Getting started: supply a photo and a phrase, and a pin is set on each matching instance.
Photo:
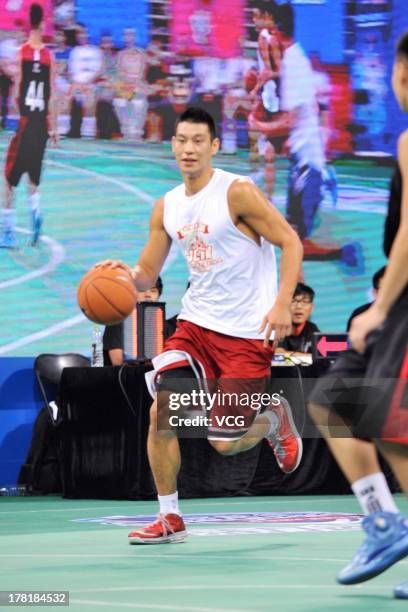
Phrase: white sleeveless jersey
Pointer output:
(233, 281)
(269, 95)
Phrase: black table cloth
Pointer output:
(105, 419)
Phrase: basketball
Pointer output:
(107, 295)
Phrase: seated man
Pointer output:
(113, 353)
(377, 277)
(299, 343)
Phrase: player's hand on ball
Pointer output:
(279, 321)
(113, 263)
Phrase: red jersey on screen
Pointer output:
(34, 94)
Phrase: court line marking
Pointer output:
(198, 503)
(58, 255)
(67, 323)
(169, 557)
(251, 586)
(143, 195)
(145, 606)
(140, 193)
(44, 333)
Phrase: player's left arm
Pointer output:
(396, 275)
(248, 203)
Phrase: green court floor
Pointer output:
(278, 561)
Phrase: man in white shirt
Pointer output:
(85, 66)
(131, 91)
(299, 117)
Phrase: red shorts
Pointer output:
(239, 368)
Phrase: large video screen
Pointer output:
(121, 80)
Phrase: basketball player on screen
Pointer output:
(266, 91)
(376, 406)
(226, 229)
(34, 86)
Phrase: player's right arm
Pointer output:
(154, 254)
(17, 81)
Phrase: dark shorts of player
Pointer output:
(370, 391)
(235, 369)
(304, 196)
(26, 152)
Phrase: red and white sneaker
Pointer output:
(167, 528)
(286, 442)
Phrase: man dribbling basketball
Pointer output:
(225, 228)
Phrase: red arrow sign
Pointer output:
(324, 347)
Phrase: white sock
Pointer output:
(273, 420)
(373, 494)
(8, 219)
(169, 504)
(34, 201)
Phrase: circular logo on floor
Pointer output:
(235, 523)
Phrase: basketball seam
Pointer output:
(109, 302)
(113, 280)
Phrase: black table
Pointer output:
(104, 435)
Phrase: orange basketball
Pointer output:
(107, 295)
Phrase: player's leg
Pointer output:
(164, 454)
(13, 171)
(39, 137)
(236, 422)
(277, 426)
(36, 217)
(335, 405)
(164, 459)
(8, 239)
(175, 373)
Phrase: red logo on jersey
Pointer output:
(198, 253)
(192, 228)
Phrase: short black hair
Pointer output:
(36, 15)
(402, 47)
(159, 285)
(286, 20)
(269, 7)
(378, 276)
(195, 114)
(302, 289)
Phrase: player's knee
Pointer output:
(159, 423)
(223, 447)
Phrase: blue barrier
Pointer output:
(20, 401)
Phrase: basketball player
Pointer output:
(34, 85)
(299, 117)
(376, 406)
(267, 85)
(225, 229)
